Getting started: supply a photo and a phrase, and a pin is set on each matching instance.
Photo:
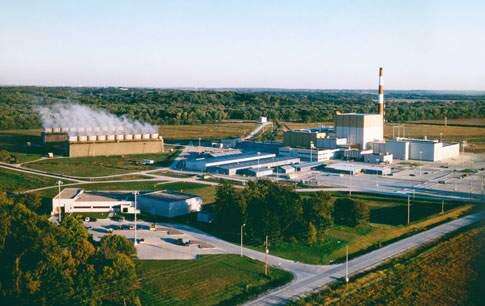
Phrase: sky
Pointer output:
(250, 44)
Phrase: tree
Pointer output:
(47, 264)
(350, 212)
(229, 208)
(311, 234)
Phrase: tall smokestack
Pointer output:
(381, 93)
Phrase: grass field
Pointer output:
(465, 121)
(206, 192)
(449, 273)
(101, 165)
(207, 131)
(210, 280)
(388, 223)
(17, 181)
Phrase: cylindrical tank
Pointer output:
(73, 138)
(128, 137)
(83, 138)
(137, 136)
(101, 137)
(110, 137)
(120, 137)
(146, 136)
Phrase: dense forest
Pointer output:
(169, 106)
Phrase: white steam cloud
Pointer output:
(79, 119)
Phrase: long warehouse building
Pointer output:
(201, 164)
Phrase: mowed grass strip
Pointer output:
(449, 273)
(19, 181)
(206, 192)
(209, 280)
(207, 131)
(101, 165)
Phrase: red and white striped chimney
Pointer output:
(381, 93)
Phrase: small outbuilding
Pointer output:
(169, 205)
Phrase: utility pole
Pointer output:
(409, 209)
(266, 252)
(242, 227)
(59, 183)
(136, 238)
(347, 264)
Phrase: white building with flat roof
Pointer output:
(359, 129)
(76, 200)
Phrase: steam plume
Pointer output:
(82, 120)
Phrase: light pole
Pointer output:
(136, 238)
(347, 264)
(59, 183)
(443, 207)
(409, 209)
(258, 159)
(420, 166)
(311, 151)
(242, 227)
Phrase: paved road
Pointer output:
(318, 278)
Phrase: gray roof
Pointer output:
(168, 197)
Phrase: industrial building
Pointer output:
(201, 164)
(242, 167)
(353, 169)
(360, 129)
(304, 138)
(317, 155)
(168, 205)
(417, 149)
(80, 142)
(76, 200)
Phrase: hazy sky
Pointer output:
(289, 44)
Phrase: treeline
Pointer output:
(167, 106)
(276, 210)
(46, 264)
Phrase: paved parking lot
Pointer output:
(163, 243)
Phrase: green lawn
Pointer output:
(210, 280)
(206, 192)
(102, 165)
(18, 181)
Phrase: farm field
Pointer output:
(465, 121)
(210, 280)
(448, 273)
(18, 181)
(206, 131)
(101, 165)
(388, 222)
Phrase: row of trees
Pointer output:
(163, 106)
(46, 264)
(276, 210)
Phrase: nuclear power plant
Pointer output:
(103, 141)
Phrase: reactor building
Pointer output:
(103, 141)
(361, 129)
